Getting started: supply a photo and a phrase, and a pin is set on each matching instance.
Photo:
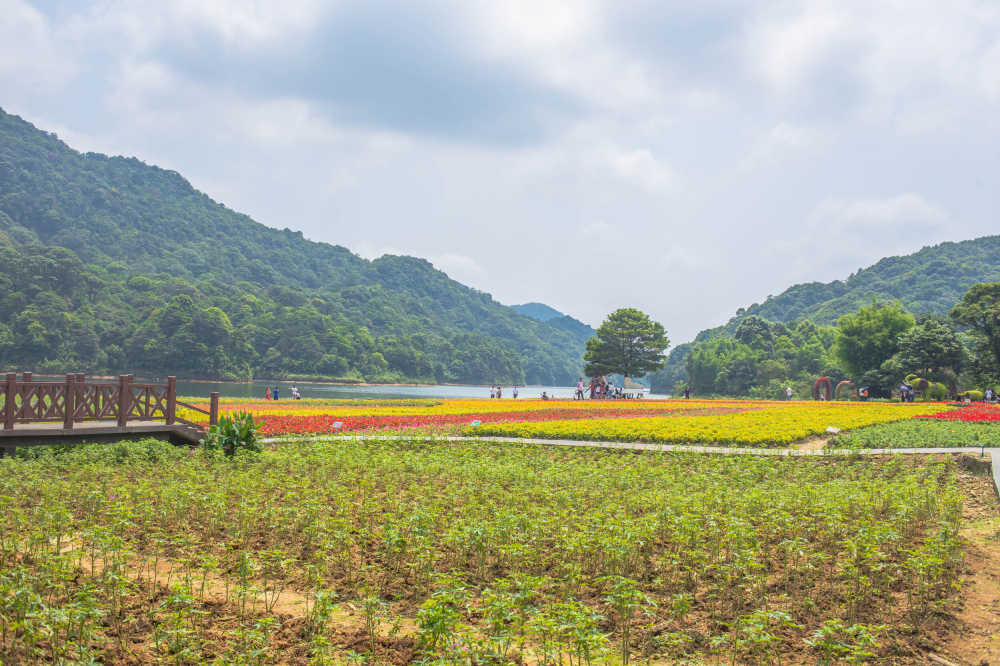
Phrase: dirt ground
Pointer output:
(975, 637)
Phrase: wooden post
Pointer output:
(129, 380)
(8, 405)
(24, 394)
(123, 403)
(171, 400)
(69, 402)
(213, 409)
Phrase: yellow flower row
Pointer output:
(774, 425)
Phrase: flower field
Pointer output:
(755, 423)
(969, 414)
(419, 551)
(778, 425)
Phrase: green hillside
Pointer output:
(541, 312)
(108, 264)
(537, 311)
(930, 281)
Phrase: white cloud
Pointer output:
(682, 144)
(784, 141)
(460, 267)
(786, 49)
(30, 58)
(891, 215)
(841, 235)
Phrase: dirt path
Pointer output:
(812, 444)
(975, 638)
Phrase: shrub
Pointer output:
(937, 391)
(233, 433)
(116, 453)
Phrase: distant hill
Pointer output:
(929, 281)
(537, 311)
(549, 315)
(107, 264)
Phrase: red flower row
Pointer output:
(973, 413)
(276, 424)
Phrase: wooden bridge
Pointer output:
(75, 411)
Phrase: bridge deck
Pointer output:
(36, 434)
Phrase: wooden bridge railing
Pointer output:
(75, 399)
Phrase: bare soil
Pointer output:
(974, 636)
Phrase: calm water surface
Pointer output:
(256, 390)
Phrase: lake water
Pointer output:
(255, 390)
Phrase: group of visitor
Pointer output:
(496, 391)
(271, 393)
(906, 393)
(599, 388)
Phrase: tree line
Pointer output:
(58, 315)
(877, 346)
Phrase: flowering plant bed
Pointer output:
(971, 413)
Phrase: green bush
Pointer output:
(233, 433)
(937, 391)
(116, 453)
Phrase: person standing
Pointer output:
(579, 389)
(788, 393)
(499, 391)
(687, 392)
(267, 393)
(274, 394)
(514, 391)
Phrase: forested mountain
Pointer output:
(537, 311)
(556, 319)
(109, 264)
(928, 282)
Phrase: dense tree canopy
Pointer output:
(628, 343)
(932, 350)
(870, 336)
(761, 360)
(109, 264)
(979, 309)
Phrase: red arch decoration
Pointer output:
(826, 386)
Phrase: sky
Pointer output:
(686, 159)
